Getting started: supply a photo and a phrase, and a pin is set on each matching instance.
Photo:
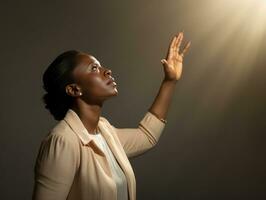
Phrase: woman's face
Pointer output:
(94, 81)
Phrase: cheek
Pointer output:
(96, 86)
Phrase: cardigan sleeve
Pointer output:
(137, 141)
(55, 168)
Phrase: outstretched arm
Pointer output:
(136, 141)
(173, 69)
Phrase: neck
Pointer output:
(89, 114)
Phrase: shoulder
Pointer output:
(61, 133)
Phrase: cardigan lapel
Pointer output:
(73, 120)
(77, 126)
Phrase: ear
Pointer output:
(73, 90)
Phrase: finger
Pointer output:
(163, 61)
(176, 41)
(186, 48)
(172, 45)
(179, 41)
(165, 64)
(171, 48)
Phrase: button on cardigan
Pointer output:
(71, 166)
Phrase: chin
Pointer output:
(113, 93)
(116, 92)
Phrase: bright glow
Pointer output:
(244, 34)
(230, 34)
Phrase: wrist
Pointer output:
(172, 81)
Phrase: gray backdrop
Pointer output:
(213, 146)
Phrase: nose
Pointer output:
(108, 72)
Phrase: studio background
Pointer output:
(213, 146)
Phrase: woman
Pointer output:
(84, 156)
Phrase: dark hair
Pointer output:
(55, 78)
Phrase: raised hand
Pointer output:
(174, 60)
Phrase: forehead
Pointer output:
(87, 59)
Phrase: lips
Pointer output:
(111, 81)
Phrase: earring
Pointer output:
(80, 93)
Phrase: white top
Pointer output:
(118, 174)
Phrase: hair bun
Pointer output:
(55, 78)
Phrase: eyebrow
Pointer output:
(95, 62)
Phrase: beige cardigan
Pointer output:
(71, 166)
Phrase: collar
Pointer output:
(77, 126)
(73, 120)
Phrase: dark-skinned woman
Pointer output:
(85, 157)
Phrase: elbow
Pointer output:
(151, 138)
(152, 127)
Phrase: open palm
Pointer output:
(173, 63)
